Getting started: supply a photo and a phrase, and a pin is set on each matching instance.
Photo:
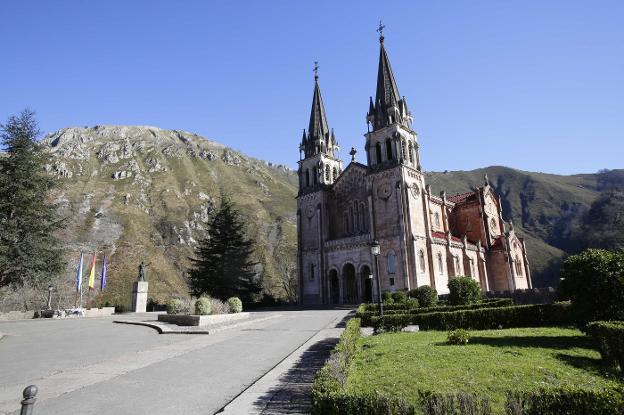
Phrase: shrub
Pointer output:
(236, 305)
(426, 295)
(412, 303)
(566, 400)
(458, 336)
(539, 315)
(463, 290)
(610, 338)
(203, 306)
(175, 306)
(386, 297)
(399, 296)
(594, 282)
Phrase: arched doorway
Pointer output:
(366, 284)
(334, 287)
(350, 284)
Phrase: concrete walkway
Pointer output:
(92, 366)
(286, 389)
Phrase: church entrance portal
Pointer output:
(334, 287)
(367, 284)
(350, 284)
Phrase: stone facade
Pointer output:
(425, 239)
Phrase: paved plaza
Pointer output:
(94, 366)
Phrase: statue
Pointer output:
(142, 271)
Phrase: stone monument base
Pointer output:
(139, 296)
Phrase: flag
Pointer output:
(92, 273)
(103, 279)
(79, 275)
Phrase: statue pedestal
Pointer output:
(139, 296)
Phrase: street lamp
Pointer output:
(375, 250)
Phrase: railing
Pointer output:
(357, 239)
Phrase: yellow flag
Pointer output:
(92, 273)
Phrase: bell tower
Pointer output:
(319, 163)
(390, 139)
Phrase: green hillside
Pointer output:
(142, 193)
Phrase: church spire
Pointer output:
(389, 107)
(320, 139)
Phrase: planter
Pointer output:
(195, 320)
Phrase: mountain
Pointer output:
(143, 193)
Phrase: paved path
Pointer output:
(92, 366)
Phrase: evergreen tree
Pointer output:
(30, 253)
(223, 266)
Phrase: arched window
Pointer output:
(411, 153)
(472, 268)
(403, 151)
(335, 173)
(421, 260)
(345, 222)
(440, 264)
(311, 272)
(363, 217)
(391, 263)
(457, 266)
(378, 152)
(389, 154)
(518, 266)
(315, 173)
(327, 174)
(436, 219)
(356, 216)
(307, 177)
(351, 227)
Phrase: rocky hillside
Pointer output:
(143, 193)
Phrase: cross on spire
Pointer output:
(380, 30)
(316, 68)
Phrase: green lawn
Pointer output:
(495, 361)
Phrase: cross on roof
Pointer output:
(316, 68)
(380, 30)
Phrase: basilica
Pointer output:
(423, 239)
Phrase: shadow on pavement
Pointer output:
(292, 395)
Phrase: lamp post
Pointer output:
(375, 250)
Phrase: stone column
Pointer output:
(139, 296)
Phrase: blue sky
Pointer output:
(535, 85)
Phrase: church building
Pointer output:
(424, 239)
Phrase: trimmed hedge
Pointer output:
(331, 378)
(565, 401)
(539, 315)
(610, 338)
(365, 315)
(463, 291)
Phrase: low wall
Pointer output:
(195, 320)
(99, 312)
(18, 315)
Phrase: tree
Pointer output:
(603, 227)
(223, 265)
(463, 290)
(30, 253)
(594, 282)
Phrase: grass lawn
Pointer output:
(495, 361)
